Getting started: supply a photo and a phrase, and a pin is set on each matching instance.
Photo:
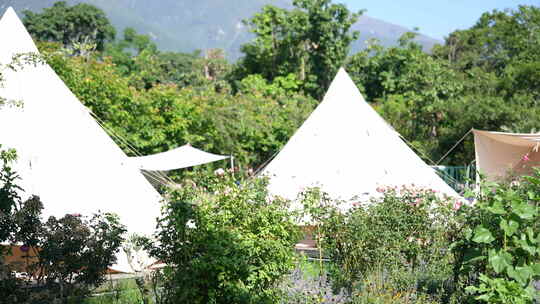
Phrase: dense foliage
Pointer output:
(71, 25)
(225, 242)
(404, 235)
(501, 241)
(310, 41)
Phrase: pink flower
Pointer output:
(457, 205)
(380, 189)
(525, 158)
(76, 214)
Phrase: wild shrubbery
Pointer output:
(225, 242)
(398, 241)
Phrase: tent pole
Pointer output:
(232, 164)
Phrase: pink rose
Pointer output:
(457, 205)
(525, 158)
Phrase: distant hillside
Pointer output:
(187, 25)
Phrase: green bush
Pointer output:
(403, 234)
(225, 242)
(500, 240)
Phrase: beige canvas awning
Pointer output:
(499, 154)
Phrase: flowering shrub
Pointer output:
(225, 242)
(404, 230)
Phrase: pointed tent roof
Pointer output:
(348, 150)
(65, 157)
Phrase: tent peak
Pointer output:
(11, 17)
(342, 70)
(9, 12)
(342, 74)
(13, 30)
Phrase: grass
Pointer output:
(123, 291)
(310, 268)
(128, 296)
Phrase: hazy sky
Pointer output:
(435, 18)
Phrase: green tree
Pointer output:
(311, 41)
(495, 41)
(138, 58)
(70, 25)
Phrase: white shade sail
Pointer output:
(183, 157)
(348, 150)
(499, 153)
(64, 156)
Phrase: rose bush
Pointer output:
(404, 231)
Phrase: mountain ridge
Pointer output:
(187, 26)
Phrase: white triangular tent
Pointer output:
(348, 150)
(182, 157)
(64, 156)
(499, 154)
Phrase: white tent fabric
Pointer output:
(182, 157)
(347, 150)
(499, 154)
(65, 157)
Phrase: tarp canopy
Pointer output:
(64, 156)
(347, 150)
(499, 154)
(183, 157)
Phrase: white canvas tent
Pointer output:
(64, 155)
(348, 150)
(182, 157)
(499, 154)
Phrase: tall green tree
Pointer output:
(311, 41)
(498, 38)
(70, 25)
